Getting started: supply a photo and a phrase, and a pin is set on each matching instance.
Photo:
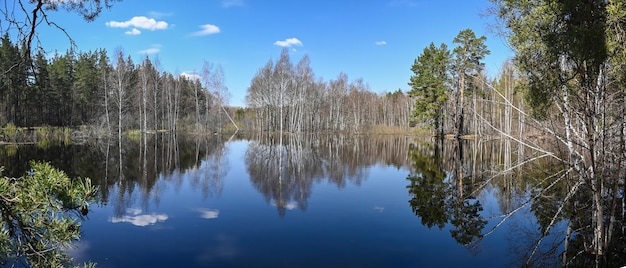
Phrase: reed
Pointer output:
(10, 132)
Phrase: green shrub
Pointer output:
(10, 131)
(43, 132)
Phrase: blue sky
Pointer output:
(376, 40)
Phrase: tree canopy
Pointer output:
(282, 97)
(22, 17)
(441, 76)
(430, 84)
(570, 57)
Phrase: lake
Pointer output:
(306, 201)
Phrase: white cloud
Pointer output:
(140, 22)
(152, 50)
(380, 43)
(209, 213)
(232, 3)
(191, 76)
(289, 42)
(134, 31)
(139, 220)
(207, 29)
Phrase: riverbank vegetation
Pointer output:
(562, 95)
(89, 88)
(114, 95)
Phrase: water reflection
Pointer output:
(143, 168)
(284, 173)
(133, 168)
(135, 217)
(547, 213)
(208, 214)
(473, 191)
(165, 161)
(439, 196)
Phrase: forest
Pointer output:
(113, 94)
(110, 93)
(561, 96)
(292, 99)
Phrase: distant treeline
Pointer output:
(285, 97)
(89, 88)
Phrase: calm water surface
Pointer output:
(315, 201)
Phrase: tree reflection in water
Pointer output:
(447, 176)
(437, 195)
(307, 159)
(147, 165)
(448, 185)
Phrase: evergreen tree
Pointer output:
(86, 87)
(468, 56)
(41, 91)
(429, 86)
(13, 77)
(62, 81)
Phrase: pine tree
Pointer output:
(429, 85)
(468, 56)
(40, 214)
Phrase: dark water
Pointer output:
(315, 201)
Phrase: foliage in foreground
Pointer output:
(40, 213)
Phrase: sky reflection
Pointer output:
(138, 219)
(206, 213)
(341, 203)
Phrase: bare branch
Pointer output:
(507, 215)
(556, 215)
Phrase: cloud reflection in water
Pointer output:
(288, 205)
(138, 219)
(207, 213)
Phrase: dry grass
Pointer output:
(381, 129)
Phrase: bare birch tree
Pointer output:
(122, 80)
